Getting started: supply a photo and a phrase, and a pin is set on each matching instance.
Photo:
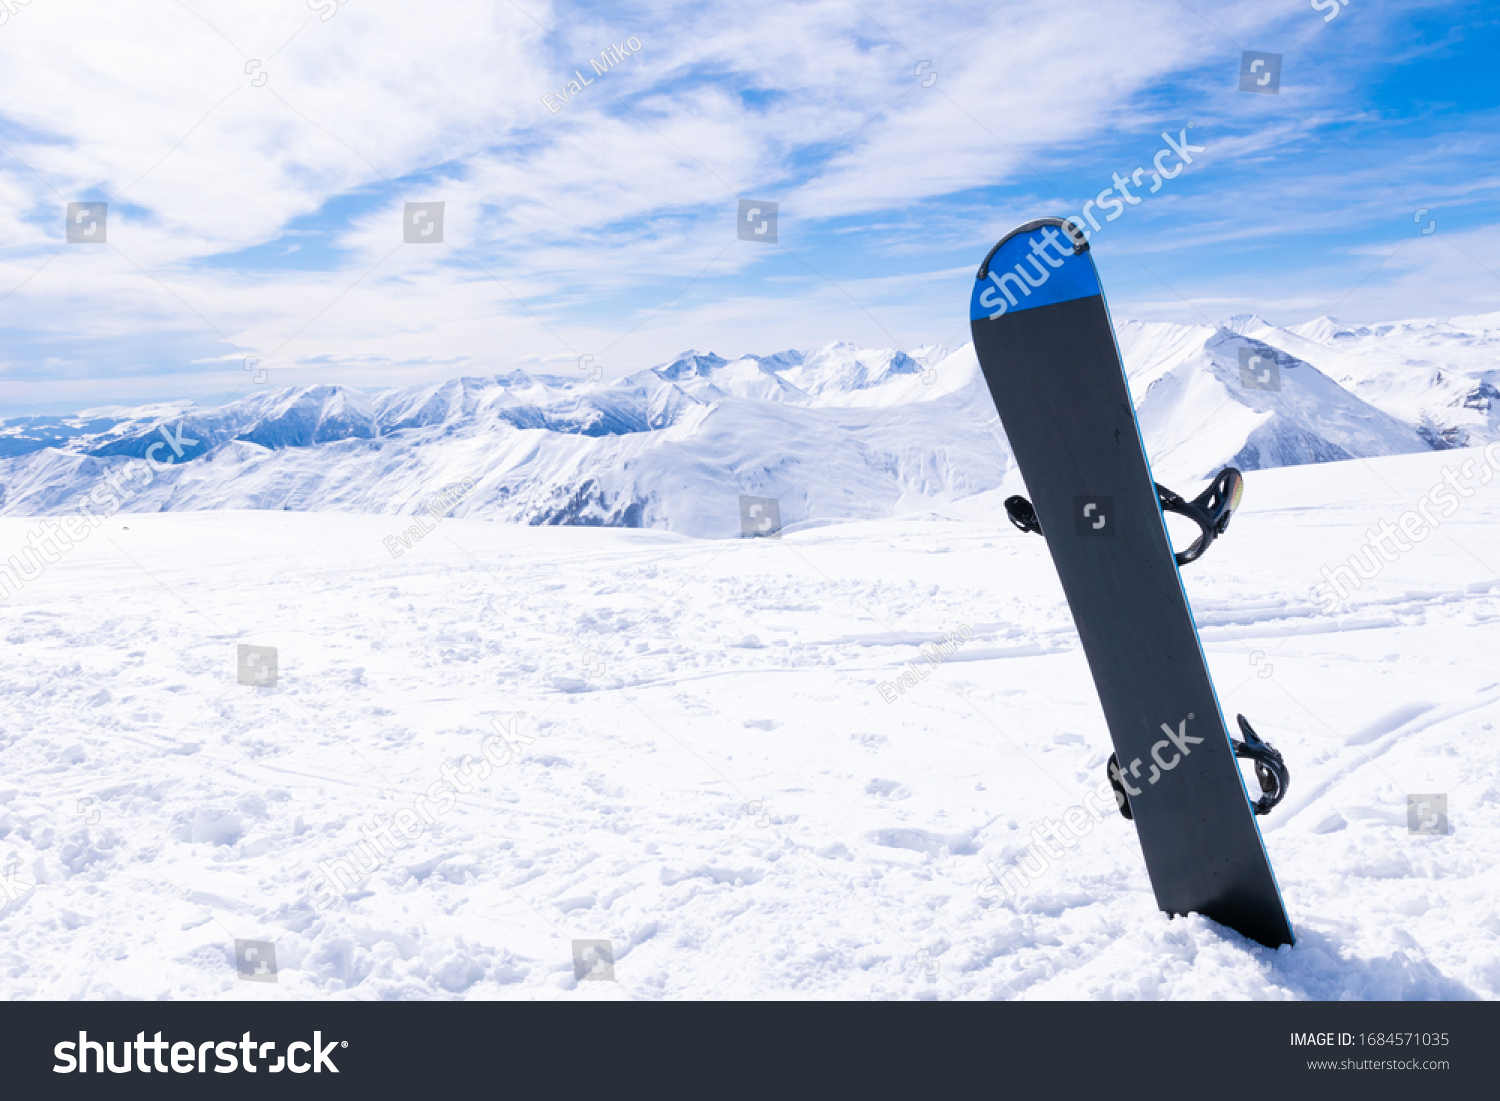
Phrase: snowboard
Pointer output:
(1048, 353)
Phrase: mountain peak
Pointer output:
(1245, 323)
(691, 364)
(671, 446)
(1325, 329)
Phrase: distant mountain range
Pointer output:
(1441, 377)
(837, 433)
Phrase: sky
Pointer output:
(257, 160)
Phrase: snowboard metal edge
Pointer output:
(1291, 933)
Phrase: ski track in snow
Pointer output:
(717, 785)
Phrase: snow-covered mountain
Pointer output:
(1441, 377)
(839, 432)
(1197, 417)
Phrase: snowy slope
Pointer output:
(1196, 417)
(709, 773)
(1442, 377)
(836, 433)
(673, 447)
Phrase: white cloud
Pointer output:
(595, 216)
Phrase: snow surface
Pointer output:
(717, 783)
(1441, 376)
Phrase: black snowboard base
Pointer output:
(1047, 349)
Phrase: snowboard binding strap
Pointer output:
(1270, 770)
(1210, 510)
(1022, 514)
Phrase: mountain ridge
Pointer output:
(836, 432)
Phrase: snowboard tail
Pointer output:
(1047, 350)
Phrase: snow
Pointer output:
(654, 449)
(1442, 377)
(716, 783)
(1197, 417)
(836, 433)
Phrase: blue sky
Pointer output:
(262, 218)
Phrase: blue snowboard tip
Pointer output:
(1037, 264)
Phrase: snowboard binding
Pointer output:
(1022, 514)
(1116, 781)
(1210, 510)
(1270, 770)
